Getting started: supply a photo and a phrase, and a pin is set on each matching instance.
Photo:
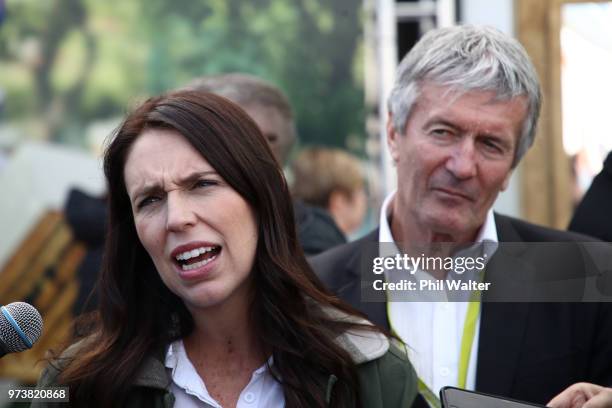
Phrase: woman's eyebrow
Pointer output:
(146, 190)
(195, 176)
(149, 188)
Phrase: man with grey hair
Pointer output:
(462, 114)
(270, 109)
(264, 102)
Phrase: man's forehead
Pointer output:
(450, 94)
(449, 101)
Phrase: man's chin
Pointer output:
(454, 225)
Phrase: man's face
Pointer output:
(453, 158)
(275, 128)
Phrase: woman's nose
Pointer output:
(180, 215)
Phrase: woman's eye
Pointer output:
(204, 183)
(147, 201)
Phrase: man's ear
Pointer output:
(392, 137)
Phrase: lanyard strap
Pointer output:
(429, 396)
(467, 341)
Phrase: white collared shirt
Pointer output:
(189, 390)
(433, 330)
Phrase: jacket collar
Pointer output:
(152, 373)
(361, 344)
(502, 325)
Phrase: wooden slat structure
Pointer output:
(42, 272)
(546, 186)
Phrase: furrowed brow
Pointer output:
(155, 188)
(146, 191)
(195, 176)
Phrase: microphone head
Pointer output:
(20, 326)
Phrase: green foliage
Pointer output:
(67, 63)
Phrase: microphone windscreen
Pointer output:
(20, 326)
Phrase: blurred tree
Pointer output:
(66, 63)
(319, 76)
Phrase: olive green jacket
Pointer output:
(386, 377)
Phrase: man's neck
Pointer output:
(408, 228)
(414, 238)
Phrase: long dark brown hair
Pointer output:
(138, 316)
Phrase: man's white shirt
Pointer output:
(433, 330)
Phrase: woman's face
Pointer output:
(199, 232)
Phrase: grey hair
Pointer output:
(244, 89)
(248, 90)
(468, 58)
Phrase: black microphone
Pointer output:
(20, 327)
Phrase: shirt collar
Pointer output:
(184, 374)
(487, 233)
(186, 378)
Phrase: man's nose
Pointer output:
(180, 215)
(462, 161)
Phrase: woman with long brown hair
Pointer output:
(206, 298)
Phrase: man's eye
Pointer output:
(441, 132)
(492, 146)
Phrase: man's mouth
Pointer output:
(197, 257)
(455, 193)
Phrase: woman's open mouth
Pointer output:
(197, 257)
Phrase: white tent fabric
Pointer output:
(37, 178)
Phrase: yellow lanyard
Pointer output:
(467, 340)
(429, 396)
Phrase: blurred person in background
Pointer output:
(86, 216)
(271, 110)
(592, 215)
(331, 179)
(206, 298)
(265, 103)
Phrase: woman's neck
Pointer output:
(224, 350)
(224, 331)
